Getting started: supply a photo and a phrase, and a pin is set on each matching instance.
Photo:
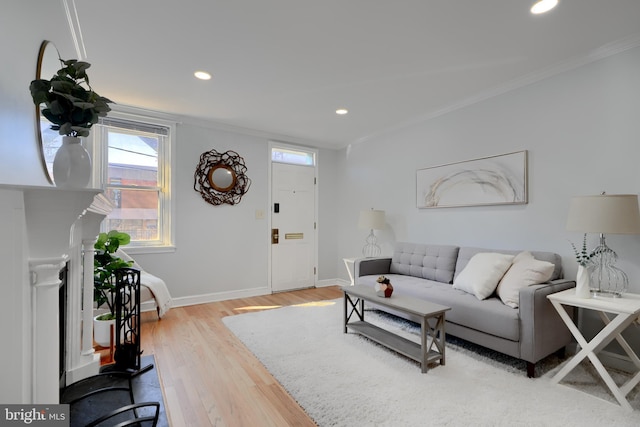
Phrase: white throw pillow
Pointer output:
(482, 273)
(525, 271)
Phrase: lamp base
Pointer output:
(608, 281)
(599, 293)
(371, 249)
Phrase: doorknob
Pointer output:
(274, 236)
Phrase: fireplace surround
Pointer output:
(48, 230)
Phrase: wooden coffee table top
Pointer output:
(402, 303)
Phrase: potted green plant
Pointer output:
(584, 258)
(105, 263)
(72, 106)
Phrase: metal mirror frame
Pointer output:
(47, 48)
(220, 186)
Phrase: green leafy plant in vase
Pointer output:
(73, 107)
(105, 263)
(584, 258)
(70, 104)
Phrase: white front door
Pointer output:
(293, 230)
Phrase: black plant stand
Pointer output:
(127, 327)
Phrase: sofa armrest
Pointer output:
(542, 331)
(370, 266)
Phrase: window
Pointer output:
(292, 156)
(134, 158)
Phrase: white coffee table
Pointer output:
(626, 311)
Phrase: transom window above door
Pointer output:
(293, 157)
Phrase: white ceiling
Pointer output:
(282, 67)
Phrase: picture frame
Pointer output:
(493, 180)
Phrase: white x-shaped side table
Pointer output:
(626, 311)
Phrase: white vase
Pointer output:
(583, 283)
(102, 331)
(72, 164)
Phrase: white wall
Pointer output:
(581, 130)
(330, 266)
(222, 251)
(582, 134)
(24, 24)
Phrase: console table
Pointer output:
(626, 311)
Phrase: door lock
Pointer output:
(274, 236)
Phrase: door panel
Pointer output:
(292, 258)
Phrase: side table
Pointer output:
(626, 311)
(349, 263)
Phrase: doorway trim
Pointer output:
(277, 144)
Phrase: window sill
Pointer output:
(132, 250)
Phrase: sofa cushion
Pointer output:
(466, 253)
(433, 262)
(525, 271)
(482, 273)
(490, 316)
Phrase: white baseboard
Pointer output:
(617, 361)
(332, 282)
(218, 296)
(223, 296)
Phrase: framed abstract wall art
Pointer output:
(494, 180)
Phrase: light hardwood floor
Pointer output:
(208, 377)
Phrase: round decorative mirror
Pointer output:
(48, 140)
(222, 178)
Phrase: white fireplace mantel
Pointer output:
(50, 212)
(46, 230)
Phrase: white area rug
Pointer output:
(346, 380)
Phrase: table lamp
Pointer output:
(371, 220)
(605, 214)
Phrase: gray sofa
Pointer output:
(530, 332)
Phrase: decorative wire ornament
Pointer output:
(203, 177)
(606, 278)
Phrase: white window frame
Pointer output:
(166, 165)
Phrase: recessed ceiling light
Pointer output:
(202, 75)
(542, 6)
(342, 111)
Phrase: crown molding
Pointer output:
(74, 28)
(610, 49)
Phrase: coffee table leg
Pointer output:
(359, 303)
(345, 313)
(424, 328)
(441, 340)
(437, 335)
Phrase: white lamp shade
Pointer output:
(371, 220)
(605, 214)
